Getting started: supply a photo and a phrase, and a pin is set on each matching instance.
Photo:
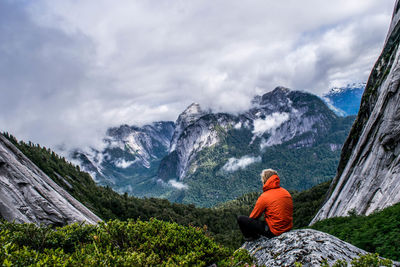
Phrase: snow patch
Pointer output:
(270, 123)
(177, 185)
(235, 164)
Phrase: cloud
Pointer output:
(177, 185)
(123, 164)
(70, 70)
(269, 123)
(235, 164)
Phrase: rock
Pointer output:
(28, 195)
(368, 177)
(306, 246)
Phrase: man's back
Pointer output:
(277, 204)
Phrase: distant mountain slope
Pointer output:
(28, 195)
(132, 155)
(345, 101)
(368, 177)
(215, 157)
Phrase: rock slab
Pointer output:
(28, 195)
(306, 246)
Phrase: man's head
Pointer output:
(265, 174)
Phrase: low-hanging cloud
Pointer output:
(177, 184)
(235, 164)
(71, 70)
(269, 123)
(123, 164)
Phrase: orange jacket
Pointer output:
(277, 204)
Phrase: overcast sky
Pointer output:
(70, 69)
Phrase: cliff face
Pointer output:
(27, 195)
(368, 175)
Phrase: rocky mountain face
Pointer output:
(27, 195)
(368, 176)
(131, 154)
(345, 101)
(203, 154)
(308, 247)
(276, 117)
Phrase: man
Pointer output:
(277, 206)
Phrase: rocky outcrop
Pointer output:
(368, 177)
(308, 247)
(189, 116)
(28, 195)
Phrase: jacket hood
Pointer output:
(272, 183)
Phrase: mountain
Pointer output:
(132, 154)
(207, 158)
(345, 101)
(368, 177)
(221, 155)
(28, 195)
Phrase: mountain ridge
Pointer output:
(292, 120)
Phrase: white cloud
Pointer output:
(235, 164)
(70, 70)
(177, 185)
(269, 123)
(123, 164)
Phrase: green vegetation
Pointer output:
(378, 232)
(115, 243)
(368, 260)
(307, 203)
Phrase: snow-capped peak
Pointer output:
(338, 90)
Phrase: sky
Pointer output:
(71, 69)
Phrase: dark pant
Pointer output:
(252, 228)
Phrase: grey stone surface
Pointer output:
(28, 195)
(306, 246)
(370, 179)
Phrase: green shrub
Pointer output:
(115, 243)
(368, 260)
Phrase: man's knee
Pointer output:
(242, 219)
